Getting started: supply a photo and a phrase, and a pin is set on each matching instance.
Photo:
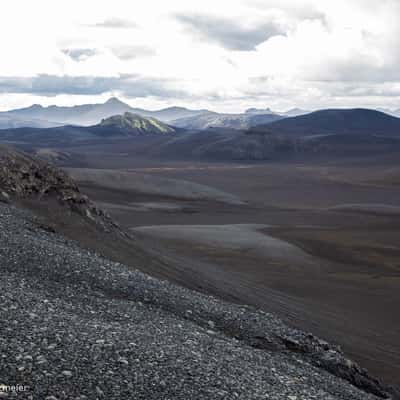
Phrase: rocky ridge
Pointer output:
(25, 177)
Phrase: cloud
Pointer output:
(132, 52)
(79, 54)
(292, 9)
(277, 53)
(228, 33)
(128, 85)
(360, 90)
(51, 85)
(115, 23)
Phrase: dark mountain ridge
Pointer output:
(341, 132)
(337, 121)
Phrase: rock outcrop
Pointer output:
(24, 177)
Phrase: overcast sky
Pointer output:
(219, 54)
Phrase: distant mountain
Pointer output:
(233, 121)
(394, 113)
(227, 144)
(37, 116)
(294, 112)
(214, 144)
(10, 121)
(133, 124)
(337, 121)
(172, 113)
(118, 126)
(86, 114)
(351, 131)
(248, 136)
(258, 111)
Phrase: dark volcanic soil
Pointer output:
(351, 294)
(74, 325)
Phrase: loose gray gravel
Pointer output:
(76, 326)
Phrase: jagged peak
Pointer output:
(254, 110)
(115, 101)
(36, 105)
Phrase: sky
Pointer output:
(217, 54)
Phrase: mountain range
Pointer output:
(253, 135)
(115, 127)
(84, 115)
(12, 121)
(37, 116)
(354, 131)
(210, 119)
(338, 121)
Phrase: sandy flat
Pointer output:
(142, 206)
(380, 209)
(246, 237)
(150, 184)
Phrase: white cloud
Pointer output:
(308, 53)
(115, 23)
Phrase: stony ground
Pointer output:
(76, 326)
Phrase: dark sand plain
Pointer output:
(314, 240)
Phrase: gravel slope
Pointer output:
(76, 326)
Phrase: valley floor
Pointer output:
(311, 241)
(74, 325)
